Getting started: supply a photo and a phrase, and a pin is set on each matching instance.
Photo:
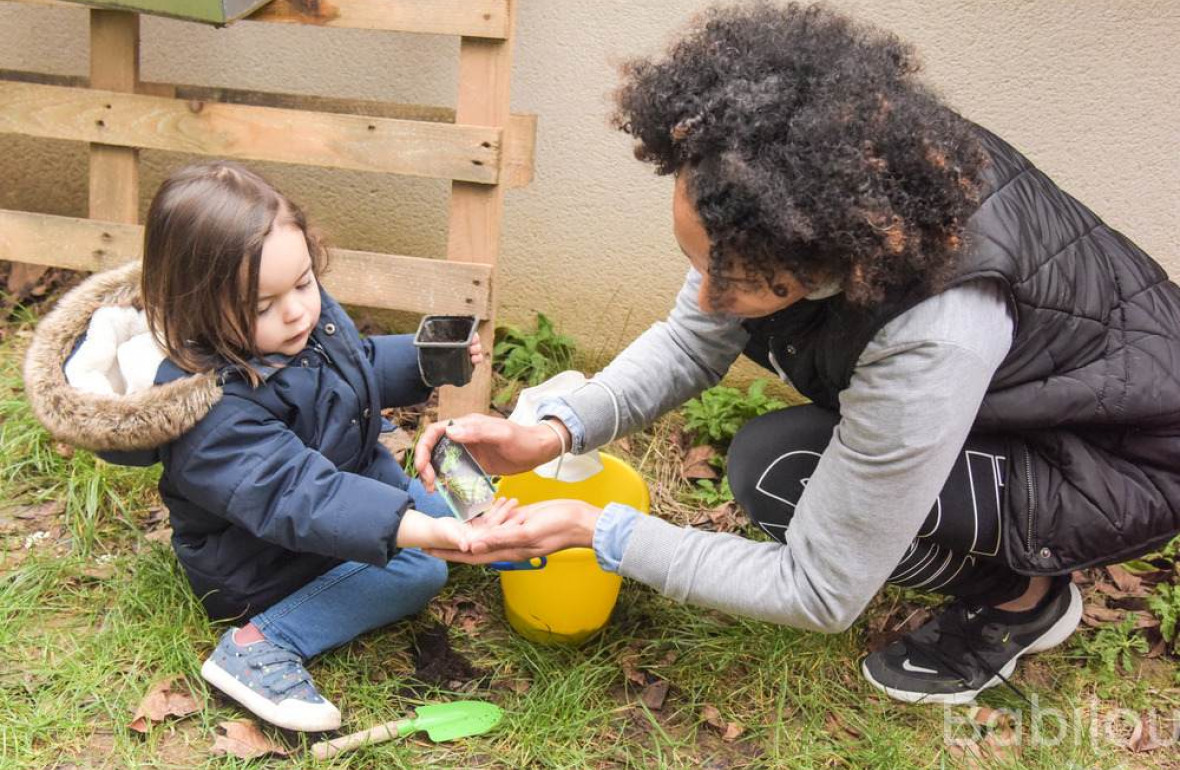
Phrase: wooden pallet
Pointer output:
(479, 146)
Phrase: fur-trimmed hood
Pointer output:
(142, 420)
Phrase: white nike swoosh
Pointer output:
(916, 669)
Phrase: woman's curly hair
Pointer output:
(811, 147)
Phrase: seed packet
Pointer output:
(463, 484)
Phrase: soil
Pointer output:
(437, 663)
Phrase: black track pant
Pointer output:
(958, 551)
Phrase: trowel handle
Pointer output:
(379, 734)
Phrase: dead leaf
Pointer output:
(992, 719)
(838, 728)
(726, 517)
(654, 694)
(629, 662)
(44, 510)
(696, 464)
(154, 517)
(885, 628)
(1134, 603)
(63, 449)
(398, 442)
(1144, 620)
(1127, 582)
(1149, 736)
(462, 612)
(1095, 615)
(624, 444)
(1107, 589)
(732, 731)
(161, 535)
(167, 697)
(242, 738)
(519, 686)
(996, 747)
(729, 730)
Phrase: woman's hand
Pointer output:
(499, 446)
(521, 533)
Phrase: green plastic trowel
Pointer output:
(442, 722)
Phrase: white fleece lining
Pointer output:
(119, 356)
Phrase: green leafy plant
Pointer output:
(1115, 646)
(712, 493)
(1165, 603)
(1150, 562)
(530, 357)
(720, 412)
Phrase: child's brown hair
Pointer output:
(201, 254)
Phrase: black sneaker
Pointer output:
(968, 648)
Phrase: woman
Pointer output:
(992, 368)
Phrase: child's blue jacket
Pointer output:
(271, 486)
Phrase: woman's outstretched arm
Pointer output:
(668, 364)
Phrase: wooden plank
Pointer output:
(485, 70)
(471, 18)
(519, 141)
(114, 66)
(355, 277)
(414, 148)
(69, 242)
(520, 150)
(409, 283)
(113, 171)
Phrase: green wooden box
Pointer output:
(217, 12)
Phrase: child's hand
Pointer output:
(449, 530)
(475, 350)
(418, 530)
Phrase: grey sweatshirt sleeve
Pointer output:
(665, 366)
(912, 401)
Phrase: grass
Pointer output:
(92, 612)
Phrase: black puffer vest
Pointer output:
(1089, 393)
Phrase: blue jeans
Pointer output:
(352, 598)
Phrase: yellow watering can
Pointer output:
(566, 598)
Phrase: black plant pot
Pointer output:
(463, 484)
(442, 342)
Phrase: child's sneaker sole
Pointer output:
(289, 714)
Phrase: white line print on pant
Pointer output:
(951, 579)
(995, 485)
(937, 519)
(927, 559)
(802, 481)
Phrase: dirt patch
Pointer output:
(437, 663)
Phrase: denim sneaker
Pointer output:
(968, 648)
(271, 682)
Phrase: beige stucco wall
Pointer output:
(1088, 89)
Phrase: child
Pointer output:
(251, 386)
